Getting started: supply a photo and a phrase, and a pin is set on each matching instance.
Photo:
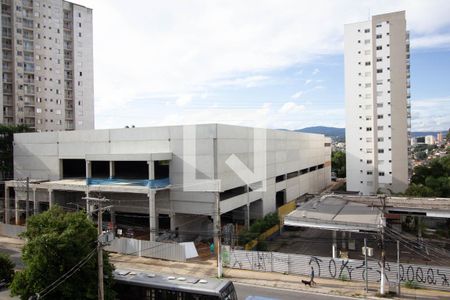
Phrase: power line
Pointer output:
(66, 275)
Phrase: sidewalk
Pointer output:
(208, 268)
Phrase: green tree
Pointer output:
(56, 242)
(6, 268)
(419, 190)
(338, 163)
(6, 148)
(432, 179)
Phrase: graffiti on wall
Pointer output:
(327, 267)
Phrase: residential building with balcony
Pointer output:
(377, 102)
(159, 179)
(47, 65)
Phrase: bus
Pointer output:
(136, 285)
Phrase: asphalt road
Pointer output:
(245, 291)
(14, 255)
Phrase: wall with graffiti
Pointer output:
(434, 277)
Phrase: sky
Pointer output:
(264, 63)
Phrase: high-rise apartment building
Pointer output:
(377, 104)
(47, 65)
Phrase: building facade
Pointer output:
(154, 177)
(377, 104)
(47, 65)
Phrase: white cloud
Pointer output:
(308, 81)
(182, 48)
(291, 107)
(431, 41)
(430, 114)
(298, 95)
(183, 100)
(316, 71)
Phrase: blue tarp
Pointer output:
(155, 183)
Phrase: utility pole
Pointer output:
(27, 204)
(383, 253)
(218, 236)
(365, 265)
(398, 268)
(99, 202)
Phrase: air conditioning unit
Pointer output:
(369, 251)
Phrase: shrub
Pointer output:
(6, 268)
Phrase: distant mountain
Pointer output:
(339, 133)
(335, 132)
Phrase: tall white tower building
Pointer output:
(47, 65)
(377, 104)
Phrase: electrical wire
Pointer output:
(66, 275)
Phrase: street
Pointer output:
(244, 291)
(14, 253)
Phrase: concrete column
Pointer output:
(111, 170)
(16, 210)
(7, 208)
(334, 246)
(151, 169)
(247, 216)
(172, 221)
(35, 203)
(152, 214)
(88, 169)
(51, 199)
(344, 244)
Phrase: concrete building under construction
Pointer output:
(163, 179)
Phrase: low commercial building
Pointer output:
(167, 179)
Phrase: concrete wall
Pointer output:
(38, 156)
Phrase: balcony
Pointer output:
(28, 23)
(27, 3)
(6, 44)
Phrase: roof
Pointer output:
(331, 212)
(194, 284)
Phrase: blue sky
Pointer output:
(276, 64)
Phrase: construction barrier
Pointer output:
(427, 276)
(169, 251)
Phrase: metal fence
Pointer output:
(11, 230)
(434, 277)
(169, 251)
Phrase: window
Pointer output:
(379, 59)
(379, 82)
(369, 161)
(379, 47)
(380, 150)
(369, 150)
(381, 139)
(367, 63)
(368, 118)
(378, 25)
(380, 127)
(378, 36)
(368, 85)
(379, 71)
(379, 105)
(368, 128)
(380, 117)
(38, 110)
(380, 173)
(369, 172)
(366, 30)
(366, 42)
(81, 73)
